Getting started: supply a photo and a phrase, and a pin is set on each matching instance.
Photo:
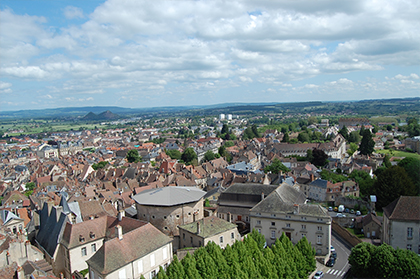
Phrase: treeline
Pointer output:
(245, 259)
(369, 261)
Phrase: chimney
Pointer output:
(198, 227)
(295, 209)
(312, 177)
(121, 214)
(118, 232)
(262, 196)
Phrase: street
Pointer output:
(341, 265)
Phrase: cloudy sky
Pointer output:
(171, 53)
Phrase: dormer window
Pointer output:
(81, 239)
(92, 235)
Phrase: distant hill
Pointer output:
(106, 115)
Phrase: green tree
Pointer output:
(352, 149)
(30, 186)
(189, 264)
(392, 183)
(189, 155)
(222, 151)
(162, 274)
(174, 154)
(133, 156)
(99, 165)
(383, 260)
(225, 129)
(208, 156)
(354, 137)
(176, 269)
(285, 137)
(367, 144)
(309, 155)
(258, 238)
(320, 158)
(412, 167)
(308, 252)
(344, 132)
(304, 137)
(276, 167)
(364, 181)
(360, 259)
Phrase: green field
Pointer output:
(395, 153)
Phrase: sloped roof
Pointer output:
(250, 189)
(209, 226)
(6, 216)
(135, 244)
(405, 208)
(169, 196)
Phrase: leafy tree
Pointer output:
(228, 143)
(222, 151)
(304, 137)
(364, 181)
(392, 183)
(367, 144)
(386, 161)
(383, 260)
(189, 155)
(308, 252)
(258, 238)
(225, 129)
(30, 186)
(352, 149)
(320, 157)
(309, 155)
(285, 137)
(162, 274)
(412, 166)
(133, 156)
(413, 127)
(360, 259)
(354, 137)
(189, 264)
(176, 269)
(174, 154)
(216, 253)
(333, 177)
(208, 156)
(276, 166)
(255, 131)
(99, 165)
(344, 132)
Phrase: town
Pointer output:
(178, 197)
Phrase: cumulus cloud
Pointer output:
(205, 48)
(71, 12)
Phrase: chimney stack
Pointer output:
(121, 214)
(262, 196)
(198, 227)
(118, 232)
(295, 209)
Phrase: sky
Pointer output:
(135, 53)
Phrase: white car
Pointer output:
(332, 249)
(318, 275)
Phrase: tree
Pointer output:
(255, 131)
(304, 137)
(319, 156)
(225, 129)
(174, 154)
(208, 156)
(360, 259)
(367, 144)
(364, 181)
(285, 137)
(352, 149)
(354, 137)
(133, 156)
(344, 132)
(276, 167)
(412, 166)
(189, 155)
(308, 252)
(30, 186)
(222, 151)
(392, 183)
(309, 155)
(99, 165)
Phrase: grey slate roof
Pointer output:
(6, 216)
(321, 183)
(209, 226)
(250, 189)
(169, 196)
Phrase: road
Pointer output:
(341, 265)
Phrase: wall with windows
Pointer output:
(400, 234)
(222, 239)
(295, 226)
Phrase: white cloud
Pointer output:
(71, 12)
(4, 85)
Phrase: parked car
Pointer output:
(333, 255)
(340, 208)
(347, 210)
(330, 262)
(336, 209)
(358, 213)
(352, 211)
(318, 275)
(340, 215)
(332, 249)
(330, 208)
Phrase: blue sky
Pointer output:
(135, 53)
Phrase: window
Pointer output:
(221, 239)
(303, 227)
(93, 246)
(165, 253)
(273, 234)
(273, 223)
(191, 240)
(183, 236)
(246, 219)
(319, 239)
(152, 260)
(259, 230)
(84, 252)
(288, 225)
(199, 243)
(232, 235)
(258, 214)
(409, 247)
(409, 232)
(303, 218)
(319, 219)
(288, 217)
(140, 266)
(153, 274)
(164, 217)
(319, 228)
(273, 215)
(303, 235)
(258, 222)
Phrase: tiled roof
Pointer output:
(135, 244)
(404, 208)
(209, 226)
(250, 189)
(169, 196)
